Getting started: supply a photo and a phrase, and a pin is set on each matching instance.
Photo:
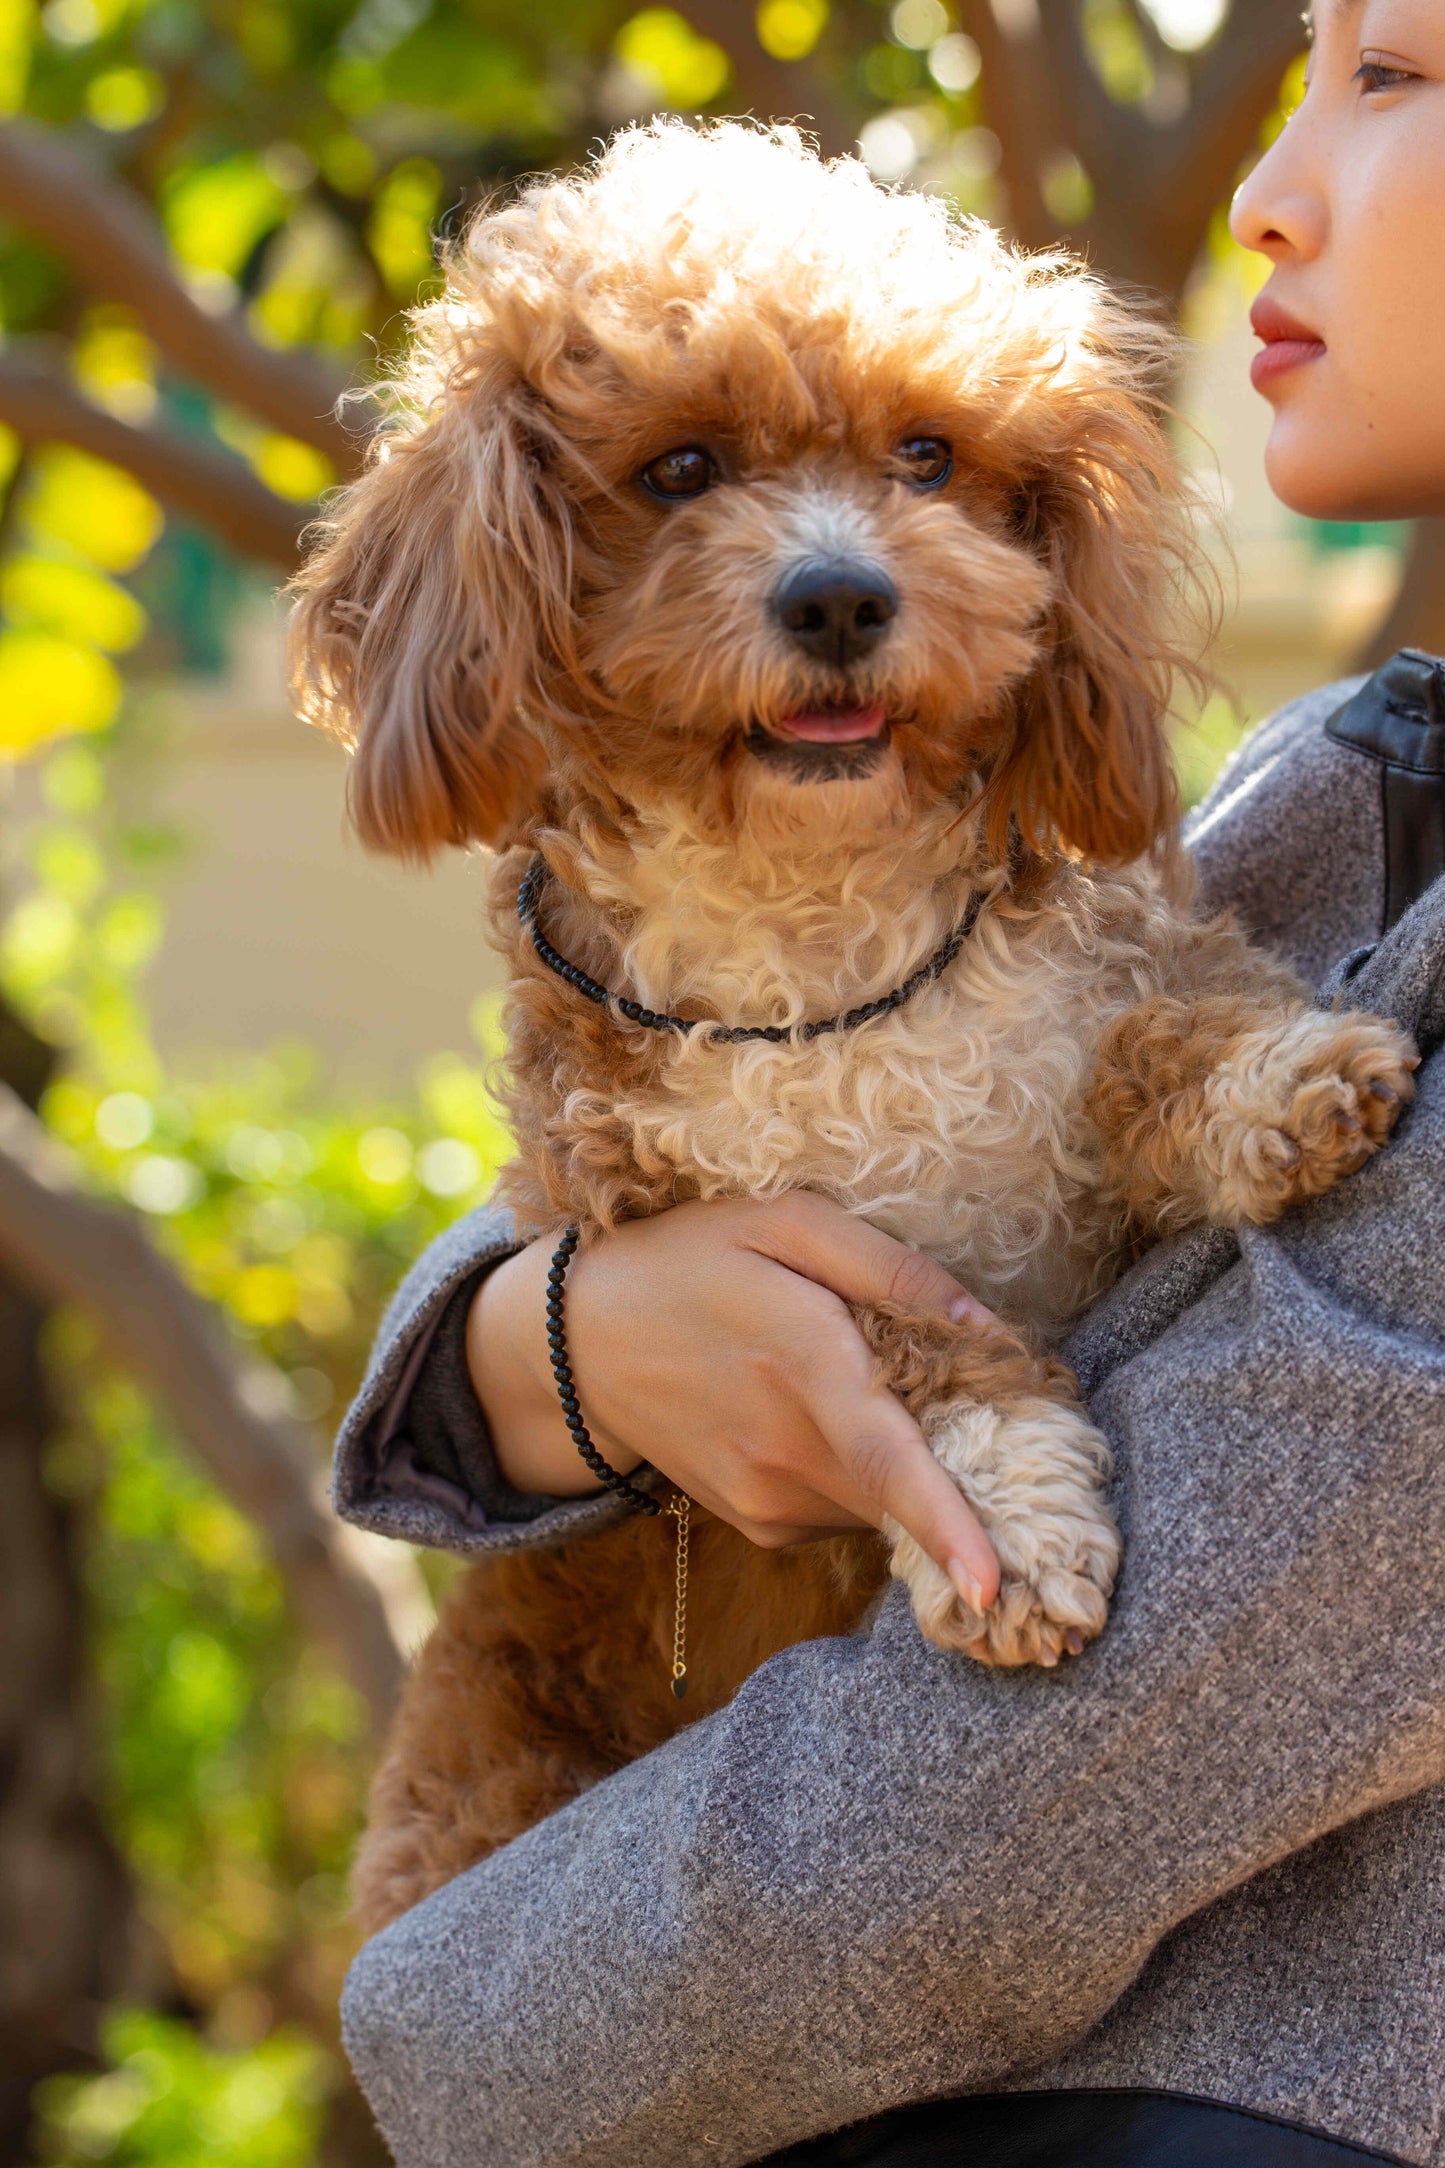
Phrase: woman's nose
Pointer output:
(1278, 212)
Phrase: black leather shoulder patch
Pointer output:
(1398, 720)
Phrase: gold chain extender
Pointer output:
(679, 1505)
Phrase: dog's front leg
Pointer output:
(545, 1672)
(1233, 1108)
(1007, 1425)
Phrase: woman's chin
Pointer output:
(1326, 466)
(1306, 473)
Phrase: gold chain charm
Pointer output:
(679, 1505)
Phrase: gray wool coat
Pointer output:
(1207, 1857)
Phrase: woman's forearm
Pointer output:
(507, 1359)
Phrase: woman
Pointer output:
(1181, 1903)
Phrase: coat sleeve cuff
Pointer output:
(414, 1458)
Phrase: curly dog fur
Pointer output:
(529, 643)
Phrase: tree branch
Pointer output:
(1020, 97)
(365, 1601)
(186, 473)
(1197, 163)
(1108, 137)
(774, 89)
(113, 244)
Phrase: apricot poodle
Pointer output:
(787, 581)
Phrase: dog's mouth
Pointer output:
(832, 725)
(823, 744)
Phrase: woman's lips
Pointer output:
(1280, 356)
(1288, 344)
(831, 726)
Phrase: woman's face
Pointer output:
(1349, 206)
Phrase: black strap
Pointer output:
(1078, 2130)
(1398, 720)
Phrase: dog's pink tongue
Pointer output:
(832, 726)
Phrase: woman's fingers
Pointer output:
(892, 1474)
(715, 1342)
(813, 1236)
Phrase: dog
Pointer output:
(787, 581)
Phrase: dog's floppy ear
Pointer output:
(1087, 766)
(429, 614)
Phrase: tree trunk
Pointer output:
(360, 1595)
(66, 1918)
(1418, 617)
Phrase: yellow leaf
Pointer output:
(115, 363)
(73, 781)
(17, 35)
(264, 1295)
(348, 163)
(1121, 59)
(668, 55)
(323, 1308)
(72, 600)
(1067, 190)
(68, 863)
(49, 687)
(385, 1157)
(99, 510)
(39, 939)
(129, 930)
(122, 98)
(293, 469)
(789, 29)
(400, 228)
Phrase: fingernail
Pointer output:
(967, 1310)
(966, 1585)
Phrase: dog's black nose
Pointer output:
(836, 608)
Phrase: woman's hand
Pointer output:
(715, 1342)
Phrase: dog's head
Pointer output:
(721, 475)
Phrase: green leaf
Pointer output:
(172, 2101)
(216, 213)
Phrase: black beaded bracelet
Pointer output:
(562, 1257)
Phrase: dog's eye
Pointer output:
(927, 462)
(686, 472)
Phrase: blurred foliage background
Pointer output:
(213, 213)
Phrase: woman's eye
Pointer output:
(927, 462)
(686, 472)
(1377, 75)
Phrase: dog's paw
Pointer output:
(1295, 1109)
(1027, 1624)
(1035, 1475)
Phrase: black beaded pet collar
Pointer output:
(528, 896)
